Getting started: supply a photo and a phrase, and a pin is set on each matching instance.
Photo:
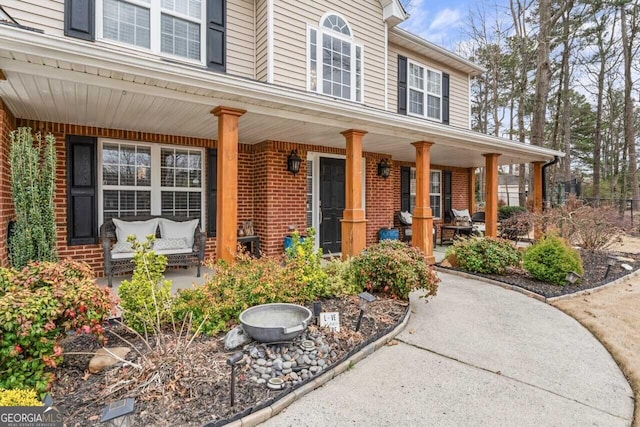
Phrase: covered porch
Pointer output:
(245, 131)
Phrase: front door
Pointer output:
(332, 173)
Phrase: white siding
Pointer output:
(241, 38)
(291, 18)
(458, 85)
(46, 15)
(261, 40)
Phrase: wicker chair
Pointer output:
(125, 265)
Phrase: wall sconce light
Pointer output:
(384, 168)
(293, 162)
(572, 278)
(365, 300)
(118, 413)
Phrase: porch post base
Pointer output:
(422, 232)
(354, 233)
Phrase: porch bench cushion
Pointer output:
(121, 262)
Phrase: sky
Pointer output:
(441, 21)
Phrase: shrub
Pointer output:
(19, 397)
(298, 278)
(341, 280)
(146, 299)
(517, 225)
(38, 305)
(550, 259)
(484, 255)
(506, 212)
(592, 228)
(32, 189)
(394, 268)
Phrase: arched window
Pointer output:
(335, 59)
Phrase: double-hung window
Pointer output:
(138, 179)
(335, 60)
(425, 92)
(435, 192)
(168, 27)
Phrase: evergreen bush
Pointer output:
(33, 164)
(550, 259)
(484, 255)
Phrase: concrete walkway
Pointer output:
(476, 355)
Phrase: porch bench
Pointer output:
(122, 262)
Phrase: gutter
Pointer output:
(555, 160)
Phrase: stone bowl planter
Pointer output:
(275, 322)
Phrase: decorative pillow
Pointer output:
(176, 230)
(140, 229)
(461, 213)
(121, 247)
(170, 243)
(406, 217)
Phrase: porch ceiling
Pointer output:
(41, 86)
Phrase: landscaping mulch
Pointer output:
(189, 387)
(595, 267)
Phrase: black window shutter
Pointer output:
(79, 19)
(216, 34)
(402, 85)
(445, 98)
(82, 200)
(405, 189)
(212, 191)
(448, 184)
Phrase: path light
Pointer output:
(231, 361)
(118, 413)
(293, 162)
(384, 168)
(365, 300)
(317, 309)
(611, 261)
(572, 278)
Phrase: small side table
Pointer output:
(252, 243)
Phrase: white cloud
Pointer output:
(441, 28)
(446, 20)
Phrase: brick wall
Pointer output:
(7, 124)
(93, 254)
(269, 195)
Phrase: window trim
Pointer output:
(156, 178)
(320, 31)
(411, 194)
(155, 30)
(425, 91)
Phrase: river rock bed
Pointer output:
(291, 362)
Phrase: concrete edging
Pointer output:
(533, 294)
(277, 406)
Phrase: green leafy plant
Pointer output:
(484, 255)
(146, 299)
(506, 212)
(38, 305)
(394, 268)
(19, 397)
(341, 280)
(33, 163)
(298, 278)
(550, 259)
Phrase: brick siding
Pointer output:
(269, 195)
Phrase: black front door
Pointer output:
(331, 204)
